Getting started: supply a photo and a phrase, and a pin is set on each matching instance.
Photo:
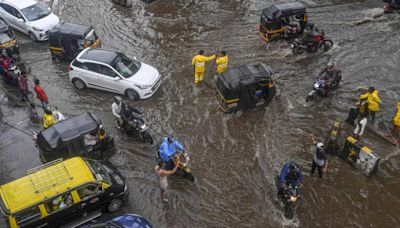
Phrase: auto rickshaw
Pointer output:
(7, 40)
(245, 87)
(286, 20)
(68, 40)
(81, 135)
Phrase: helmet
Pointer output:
(320, 146)
(293, 167)
(117, 99)
(170, 139)
(331, 64)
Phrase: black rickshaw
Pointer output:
(81, 135)
(245, 87)
(8, 41)
(68, 40)
(286, 20)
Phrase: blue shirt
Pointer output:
(168, 149)
(283, 177)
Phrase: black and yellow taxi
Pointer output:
(244, 87)
(67, 40)
(63, 193)
(7, 39)
(286, 20)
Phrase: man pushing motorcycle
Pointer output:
(331, 76)
(167, 150)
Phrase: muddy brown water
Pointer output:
(234, 157)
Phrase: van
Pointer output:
(63, 193)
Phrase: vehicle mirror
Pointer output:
(116, 78)
(21, 20)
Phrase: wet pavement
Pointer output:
(234, 157)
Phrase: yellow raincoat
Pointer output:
(48, 120)
(222, 64)
(396, 119)
(372, 100)
(199, 63)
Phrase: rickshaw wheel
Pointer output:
(114, 205)
(57, 59)
(32, 36)
(79, 84)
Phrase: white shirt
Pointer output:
(360, 129)
(116, 109)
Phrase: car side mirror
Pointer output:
(21, 20)
(116, 78)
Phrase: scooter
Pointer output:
(289, 197)
(183, 159)
(14, 72)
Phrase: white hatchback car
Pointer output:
(115, 72)
(29, 17)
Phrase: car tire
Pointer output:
(79, 84)
(32, 36)
(114, 205)
(132, 94)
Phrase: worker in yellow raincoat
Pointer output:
(199, 63)
(373, 101)
(48, 119)
(396, 124)
(222, 63)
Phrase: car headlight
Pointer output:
(37, 29)
(144, 86)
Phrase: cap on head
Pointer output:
(320, 146)
(117, 99)
(331, 64)
(201, 52)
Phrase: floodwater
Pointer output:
(234, 157)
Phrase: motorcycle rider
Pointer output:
(5, 64)
(331, 75)
(116, 109)
(290, 174)
(127, 114)
(309, 34)
(167, 150)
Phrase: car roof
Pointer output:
(98, 55)
(284, 9)
(21, 4)
(67, 130)
(45, 182)
(71, 29)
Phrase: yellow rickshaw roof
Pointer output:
(44, 182)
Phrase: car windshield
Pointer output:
(98, 171)
(90, 38)
(4, 38)
(35, 12)
(125, 66)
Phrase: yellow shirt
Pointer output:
(48, 120)
(222, 64)
(199, 62)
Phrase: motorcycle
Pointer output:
(321, 88)
(14, 72)
(138, 127)
(289, 197)
(391, 6)
(298, 47)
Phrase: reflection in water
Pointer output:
(235, 157)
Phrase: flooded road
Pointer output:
(234, 157)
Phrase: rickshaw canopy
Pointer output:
(67, 130)
(4, 26)
(279, 11)
(68, 30)
(242, 81)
